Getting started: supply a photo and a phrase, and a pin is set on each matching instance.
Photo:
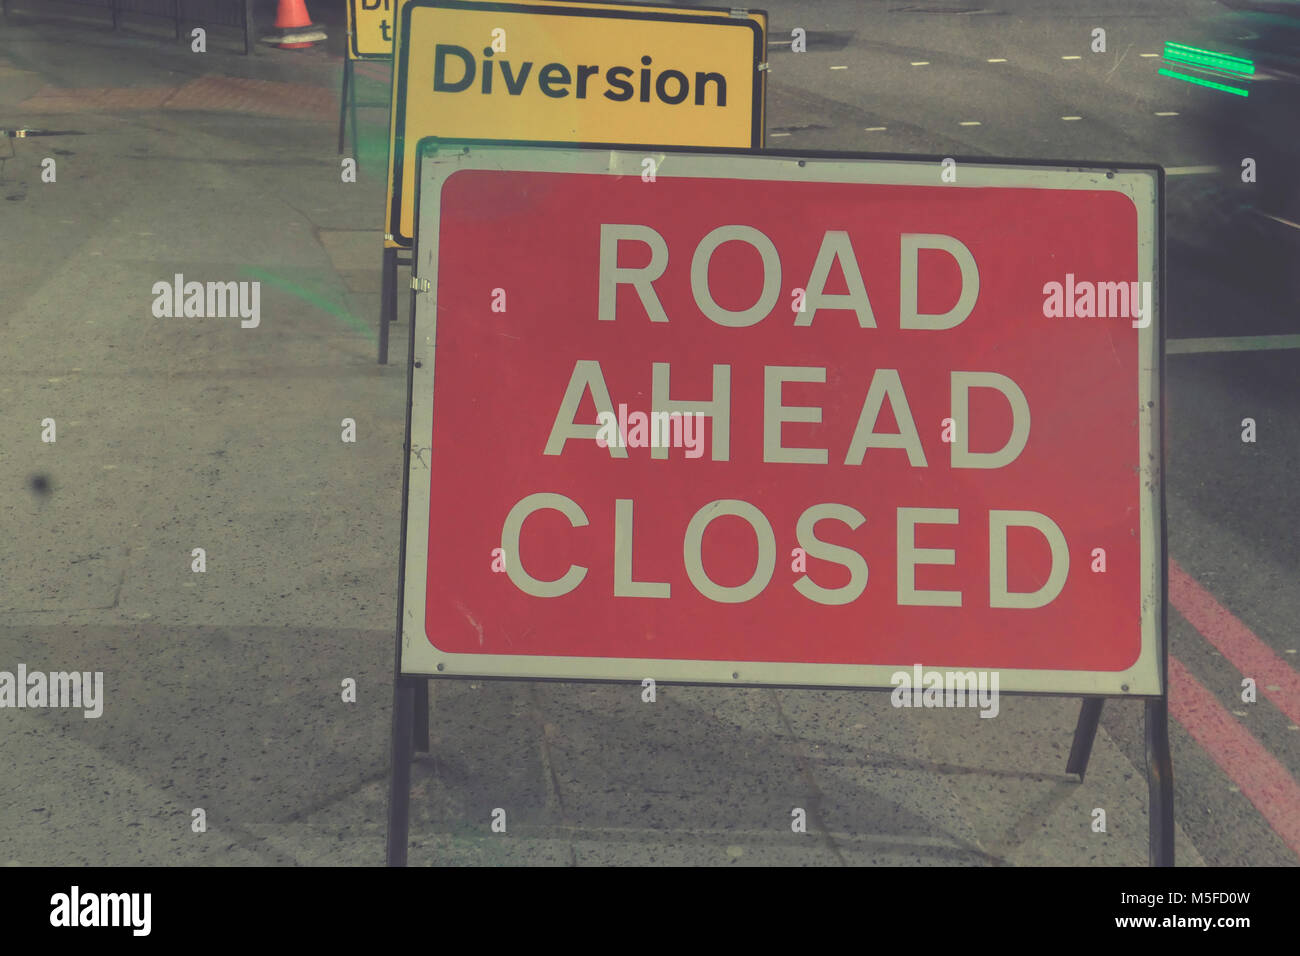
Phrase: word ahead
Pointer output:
(901, 462)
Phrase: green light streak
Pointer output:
(1237, 91)
(1182, 53)
(333, 308)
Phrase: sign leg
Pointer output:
(410, 263)
(1160, 782)
(420, 728)
(387, 302)
(1084, 733)
(343, 102)
(352, 107)
(399, 781)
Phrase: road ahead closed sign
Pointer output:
(545, 72)
(763, 419)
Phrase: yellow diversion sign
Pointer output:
(372, 25)
(599, 74)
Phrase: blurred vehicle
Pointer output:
(1248, 75)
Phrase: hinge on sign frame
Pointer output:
(739, 12)
(419, 285)
(762, 66)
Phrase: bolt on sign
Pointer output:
(606, 74)
(779, 419)
(372, 24)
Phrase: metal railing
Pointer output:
(203, 13)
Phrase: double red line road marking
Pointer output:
(1262, 779)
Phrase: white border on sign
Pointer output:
(420, 657)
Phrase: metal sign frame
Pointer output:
(410, 716)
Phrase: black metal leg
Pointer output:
(420, 740)
(352, 75)
(248, 27)
(399, 782)
(1160, 782)
(387, 302)
(343, 102)
(1085, 731)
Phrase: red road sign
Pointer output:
(896, 390)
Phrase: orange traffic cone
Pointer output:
(296, 29)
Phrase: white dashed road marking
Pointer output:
(1246, 343)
